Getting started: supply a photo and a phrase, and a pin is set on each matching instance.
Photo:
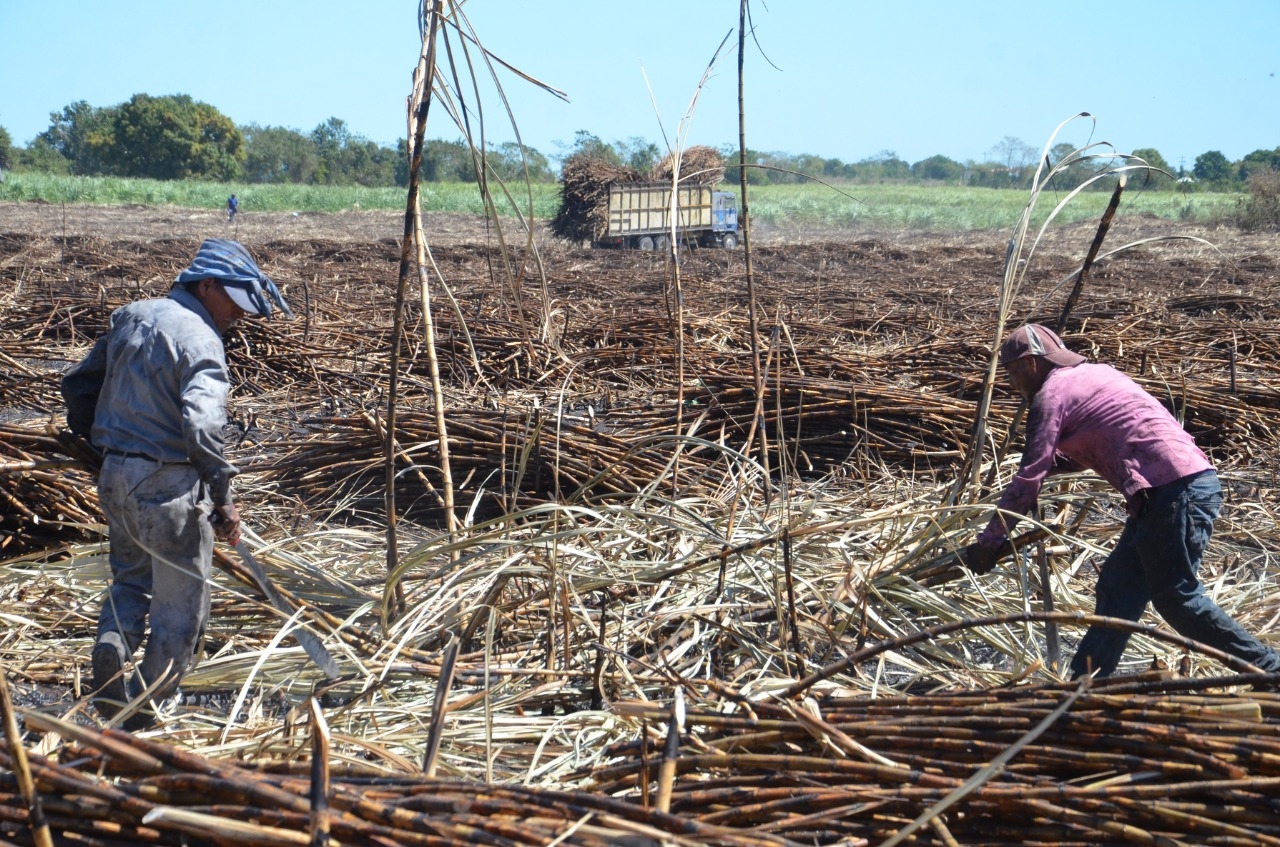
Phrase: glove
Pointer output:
(979, 559)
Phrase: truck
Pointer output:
(639, 216)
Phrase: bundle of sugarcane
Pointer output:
(584, 196)
(1128, 763)
(823, 421)
(46, 488)
(700, 165)
(115, 788)
(512, 457)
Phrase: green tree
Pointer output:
(366, 162)
(6, 149)
(836, 169)
(1259, 161)
(173, 137)
(883, 166)
(938, 169)
(345, 158)
(40, 157)
(1152, 179)
(442, 161)
(590, 146)
(80, 134)
(329, 139)
(449, 161)
(1077, 169)
(638, 154)
(809, 164)
(774, 168)
(1212, 167)
(732, 171)
(509, 163)
(990, 174)
(1152, 157)
(275, 154)
(778, 169)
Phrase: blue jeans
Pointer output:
(1156, 561)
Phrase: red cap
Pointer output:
(1036, 340)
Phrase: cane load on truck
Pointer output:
(611, 205)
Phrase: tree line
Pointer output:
(176, 137)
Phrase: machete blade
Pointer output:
(321, 656)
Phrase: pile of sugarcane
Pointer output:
(584, 196)
(698, 165)
(583, 214)
(46, 493)
(1055, 765)
(1151, 760)
(111, 787)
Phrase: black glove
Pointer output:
(979, 559)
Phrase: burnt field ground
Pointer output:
(632, 526)
(877, 342)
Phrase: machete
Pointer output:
(324, 661)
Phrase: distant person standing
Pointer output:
(233, 206)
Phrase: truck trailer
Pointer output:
(639, 216)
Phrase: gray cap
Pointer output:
(1036, 340)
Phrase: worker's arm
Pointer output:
(205, 388)
(1041, 457)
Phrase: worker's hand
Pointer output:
(978, 558)
(226, 523)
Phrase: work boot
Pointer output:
(140, 721)
(110, 693)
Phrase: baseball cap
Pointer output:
(1036, 340)
(230, 264)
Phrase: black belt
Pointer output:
(128, 454)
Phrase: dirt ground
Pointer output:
(149, 223)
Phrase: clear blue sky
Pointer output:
(838, 78)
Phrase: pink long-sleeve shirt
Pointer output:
(1097, 418)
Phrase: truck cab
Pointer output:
(724, 211)
(724, 218)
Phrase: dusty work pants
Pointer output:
(161, 558)
(1156, 561)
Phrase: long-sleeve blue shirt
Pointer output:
(166, 388)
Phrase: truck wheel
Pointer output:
(662, 243)
(730, 241)
(645, 243)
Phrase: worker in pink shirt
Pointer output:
(1086, 415)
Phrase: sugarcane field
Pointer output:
(668, 609)
(647, 522)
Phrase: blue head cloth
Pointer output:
(230, 264)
